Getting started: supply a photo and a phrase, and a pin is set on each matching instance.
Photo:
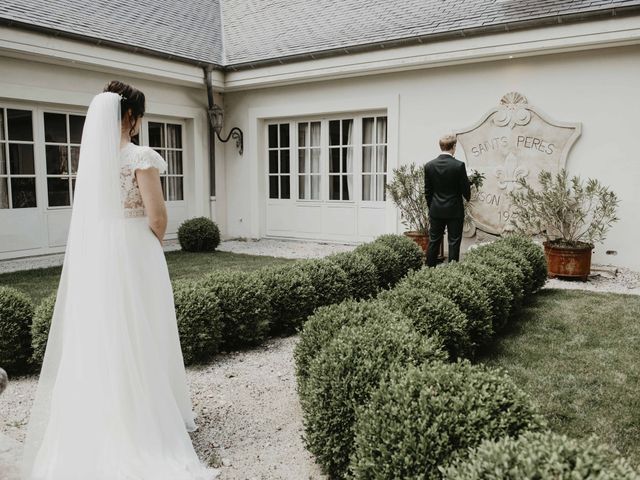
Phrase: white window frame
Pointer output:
(144, 140)
(4, 144)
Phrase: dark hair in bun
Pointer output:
(132, 98)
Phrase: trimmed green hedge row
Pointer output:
(379, 399)
(231, 309)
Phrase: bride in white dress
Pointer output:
(112, 400)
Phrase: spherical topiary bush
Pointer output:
(421, 418)
(512, 253)
(432, 314)
(411, 255)
(361, 273)
(342, 377)
(326, 322)
(245, 307)
(387, 262)
(545, 455)
(291, 296)
(199, 321)
(509, 270)
(329, 280)
(534, 254)
(466, 292)
(499, 294)
(40, 328)
(16, 314)
(199, 234)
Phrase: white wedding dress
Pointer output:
(112, 400)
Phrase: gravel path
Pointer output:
(249, 418)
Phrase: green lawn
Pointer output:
(577, 354)
(41, 282)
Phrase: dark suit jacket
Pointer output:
(445, 183)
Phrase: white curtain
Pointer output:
(349, 172)
(381, 157)
(314, 159)
(368, 159)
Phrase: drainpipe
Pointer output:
(212, 143)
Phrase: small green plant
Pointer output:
(567, 211)
(387, 262)
(423, 416)
(199, 321)
(244, 303)
(16, 314)
(199, 234)
(362, 276)
(411, 255)
(541, 455)
(407, 192)
(40, 328)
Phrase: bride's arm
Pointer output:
(151, 191)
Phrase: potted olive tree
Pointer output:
(571, 214)
(407, 192)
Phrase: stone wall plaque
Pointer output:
(512, 141)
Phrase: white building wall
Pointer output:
(598, 88)
(55, 84)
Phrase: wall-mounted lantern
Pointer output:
(216, 117)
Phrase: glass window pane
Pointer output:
(273, 186)
(334, 132)
(302, 134)
(58, 192)
(273, 161)
(284, 161)
(315, 160)
(367, 130)
(302, 160)
(381, 188)
(4, 192)
(382, 130)
(367, 159)
(284, 135)
(3, 160)
(174, 135)
(347, 159)
(334, 160)
(315, 134)
(21, 159)
(76, 124)
(1, 123)
(55, 127)
(175, 188)
(345, 187)
(285, 188)
(56, 160)
(346, 132)
(315, 187)
(273, 136)
(381, 160)
(334, 187)
(75, 159)
(156, 134)
(174, 162)
(163, 184)
(23, 192)
(20, 125)
(73, 186)
(302, 191)
(367, 181)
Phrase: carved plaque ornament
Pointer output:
(511, 141)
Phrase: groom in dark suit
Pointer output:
(446, 183)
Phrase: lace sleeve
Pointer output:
(147, 157)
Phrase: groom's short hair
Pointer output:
(447, 142)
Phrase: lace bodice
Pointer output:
(132, 158)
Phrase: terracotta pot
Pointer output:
(420, 238)
(568, 262)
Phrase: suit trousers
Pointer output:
(437, 226)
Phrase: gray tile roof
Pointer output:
(267, 29)
(189, 29)
(234, 33)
